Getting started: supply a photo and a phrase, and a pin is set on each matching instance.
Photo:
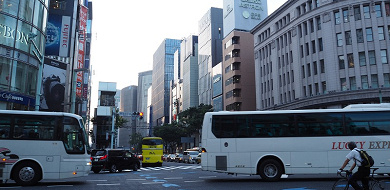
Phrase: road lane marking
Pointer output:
(193, 181)
(60, 186)
(173, 178)
(136, 179)
(151, 183)
(92, 180)
(109, 184)
(207, 176)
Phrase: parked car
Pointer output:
(113, 160)
(179, 157)
(199, 158)
(190, 156)
(171, 157)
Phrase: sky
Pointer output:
(126, 33)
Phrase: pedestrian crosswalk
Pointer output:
(167, 168)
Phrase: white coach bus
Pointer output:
(272, 143)
(42, 145)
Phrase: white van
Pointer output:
(190, 156)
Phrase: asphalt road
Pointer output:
(179, 176)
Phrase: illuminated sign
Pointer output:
(16, 98)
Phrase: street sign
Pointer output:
(126, 114)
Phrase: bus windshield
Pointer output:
(151, 141)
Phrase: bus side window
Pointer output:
(5, 126)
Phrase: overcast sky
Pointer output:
(126, 33)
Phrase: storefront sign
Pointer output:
(16, 98)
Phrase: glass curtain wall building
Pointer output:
(20, 20)
(163, 72)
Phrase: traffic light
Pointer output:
(141, 115)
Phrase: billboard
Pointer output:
(58, 35)
(53, 85)
(83, 16)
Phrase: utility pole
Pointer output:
(40, 57)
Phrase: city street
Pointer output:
(181, 176)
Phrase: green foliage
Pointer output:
(119, 120)
(136, 142)
(171, 135)
(192, 118)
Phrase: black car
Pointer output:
(113, 160)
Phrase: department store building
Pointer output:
(19, 21)
(323, 54)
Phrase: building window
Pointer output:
(303, 71)
(381, 33)
(362, 59)
(313, 46)
(318, 21)
(292, 75)
(302, 52)
(339, 39)
(343, 82)
(374, 81)
(371, 57)
(308, 70)
(384, 56)
(300, 31)
(315, 68)
(323, 85)
(364, 82)
(386, 78)
(388, 29)
(337, 17)
(357, 13)
(366, 11)
(387, 8)
(321, 47)
(369, 34)
(341, 62)
(311, 23)
(351, 63)
(378, 10)
(322, 66)
(352, 83)
(359, 36)
(346, 15)
(307, 49)
(348, 38)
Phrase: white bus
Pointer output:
(272, 143)
(42, 145)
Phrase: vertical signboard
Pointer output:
(83, 16)
(58, 35)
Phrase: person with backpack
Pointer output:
(363, 171)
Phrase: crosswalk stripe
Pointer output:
(167, 168)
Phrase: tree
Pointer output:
(136, 142)
(192, 118)
(119, 120)
(171, 135)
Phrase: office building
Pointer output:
(162, 76)
(144, 83)
(190, 71)
(323, 54)
(238, 67)
(209, 51)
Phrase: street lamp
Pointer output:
(40, 57)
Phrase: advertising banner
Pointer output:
(81, 49)
(53, 85)
(58, 36)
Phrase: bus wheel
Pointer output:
(270, 170)
(27, 173)
(113, 168)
